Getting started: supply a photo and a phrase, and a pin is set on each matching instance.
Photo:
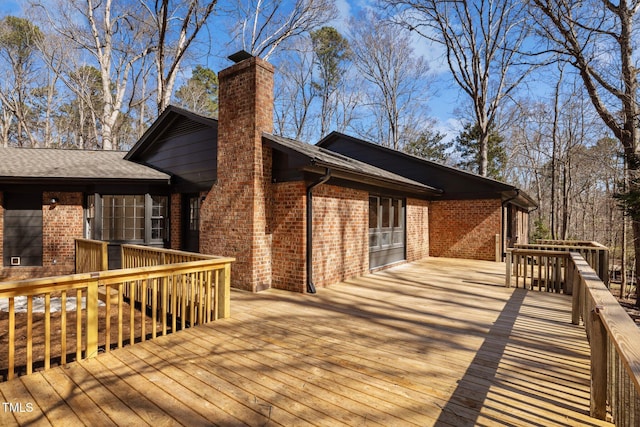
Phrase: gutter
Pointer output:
(310, 286)
(416, 186)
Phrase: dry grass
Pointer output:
(38, 333)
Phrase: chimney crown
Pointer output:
(240, 56)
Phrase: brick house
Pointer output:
(231, 187)
(471, 211)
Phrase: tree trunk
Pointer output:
(484, 153)
(623, 266)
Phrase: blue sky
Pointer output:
(9, 7)
(444, 97)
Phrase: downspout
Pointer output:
(310, 286)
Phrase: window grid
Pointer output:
(127, 217)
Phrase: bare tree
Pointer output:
(294, 94)
(176, 24)
(597, 38)
(297, 113)
(111, 34)
(200, 92)
(264, 25)
(482, 41)
(384, 56)
(19, 39)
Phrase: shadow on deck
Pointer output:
(436, 342)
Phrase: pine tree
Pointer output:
(467, 145)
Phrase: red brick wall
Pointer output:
(289, 252)
(61, 225)
(340, 234)
(236, 213)
(464, 228)
(417, 228)
(175, 215)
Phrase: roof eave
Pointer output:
(374, 180)
(500, 186)
(81, 180)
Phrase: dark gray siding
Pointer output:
(187, 150)
(23, 228)
(456, 184)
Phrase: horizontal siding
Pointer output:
(454, 184)
(188, 151)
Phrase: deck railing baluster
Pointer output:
(614, 340)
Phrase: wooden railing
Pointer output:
(539, 269)
(614, 339)
(192, 302)
(144, 256)
(181, 294)
(542, 265)
(91, 255)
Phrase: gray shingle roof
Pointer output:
(41, 163)
(322, 157)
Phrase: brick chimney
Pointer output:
(235, 214)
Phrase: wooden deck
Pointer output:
(438, 342)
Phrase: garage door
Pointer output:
(386, 230)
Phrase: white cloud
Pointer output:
(450, 127)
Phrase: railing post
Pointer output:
(576, 294)
(92, 319)
(604, 266)
(104, 259)
(224, 293)
(558, 275)
(77, 261)
(568, 276)
(508, 272)
(598, 365)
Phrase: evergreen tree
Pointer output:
(200, 93)
(331, 53)
(429, 146)
(467, 145)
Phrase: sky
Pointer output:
(444, 98)
(9, 7)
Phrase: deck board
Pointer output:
(438, 342)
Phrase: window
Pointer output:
(159, 213)
(129, 218)
(373, 212)
(386, 222)
(385, 204)
(123, 218)
(194, 213)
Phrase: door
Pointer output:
(191, 222)
(22, 229)
(386, 231)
